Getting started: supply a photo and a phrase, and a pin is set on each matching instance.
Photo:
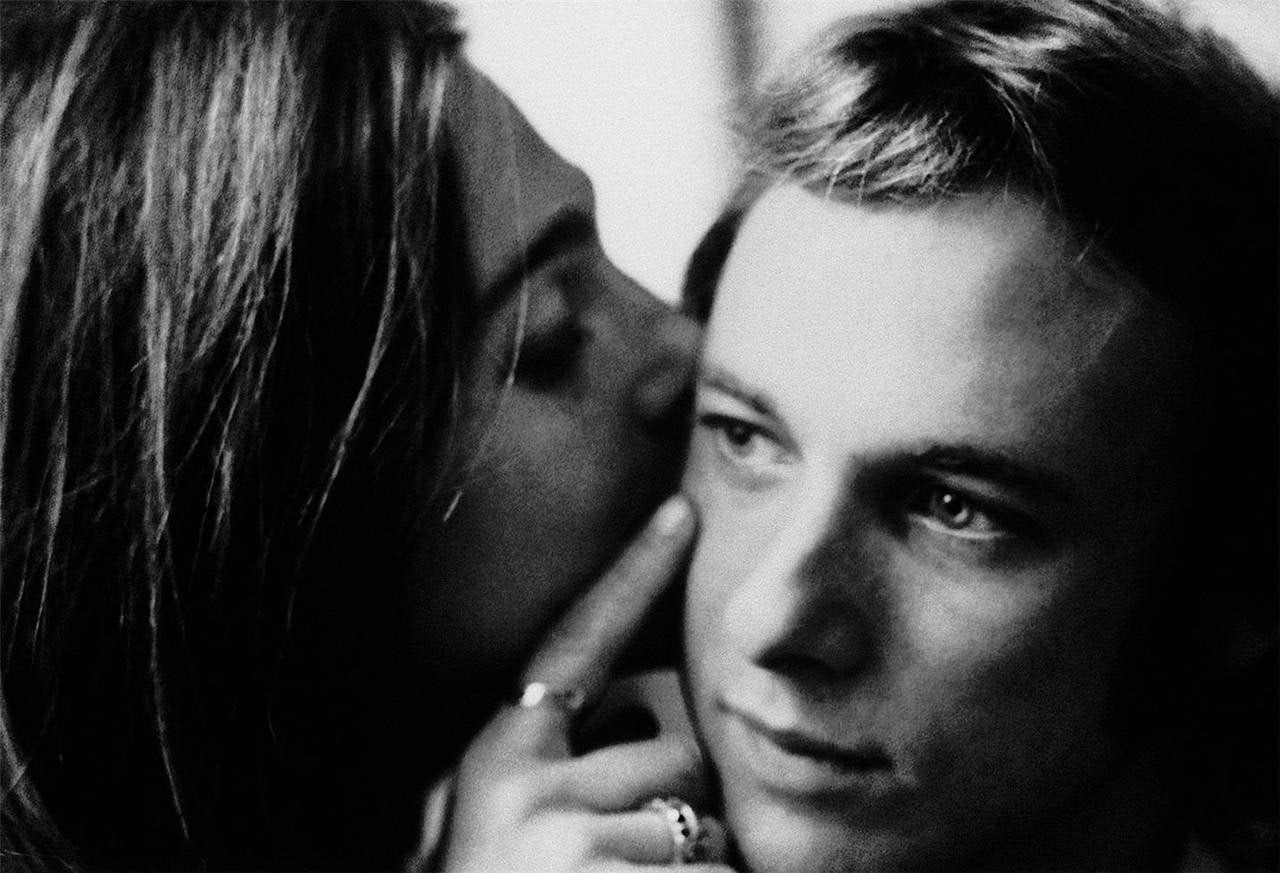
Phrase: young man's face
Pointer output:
(932, 458)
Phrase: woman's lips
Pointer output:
(802, 764)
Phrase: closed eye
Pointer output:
(549, 356)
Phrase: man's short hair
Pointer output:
(1156, 142)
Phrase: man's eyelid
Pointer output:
(713, 401)
(998, 499)
(996, 531)
(1009, 513)
(724, 402)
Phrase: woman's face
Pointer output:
(930, 467)
(572, 410)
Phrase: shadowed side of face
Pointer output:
(572, 412)
(932, 455)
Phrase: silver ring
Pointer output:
(688, 839)
(537, 694)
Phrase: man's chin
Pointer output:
(773, 838)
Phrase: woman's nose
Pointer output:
(667, 346)
(807, 610)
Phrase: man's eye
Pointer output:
(955, 512)
(743, 443)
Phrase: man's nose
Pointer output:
(809, 609)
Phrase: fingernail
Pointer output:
(671, 515)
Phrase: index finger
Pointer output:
(579, 651)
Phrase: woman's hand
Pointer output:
(522, 802)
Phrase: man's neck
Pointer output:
(1127, 821)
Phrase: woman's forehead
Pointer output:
(512, 185)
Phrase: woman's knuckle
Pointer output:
(576, 845)
(684, 756)
(514, 796)
(490, 745)
(564, 838)
(562, 779)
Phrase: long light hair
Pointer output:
(220, 283)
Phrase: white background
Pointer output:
(639, 94)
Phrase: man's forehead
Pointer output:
(970, 313)
(997, 259)
(512, 184)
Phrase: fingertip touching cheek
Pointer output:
(924, 526)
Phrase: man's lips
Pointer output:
(799, 743)
(799, 763)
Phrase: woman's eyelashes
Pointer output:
(546, 349)
(549, 355)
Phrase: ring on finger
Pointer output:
(688, 838)
(536, 694)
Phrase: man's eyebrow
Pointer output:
(566, 230)
(967, 460)
(996, 467)
(727, 383)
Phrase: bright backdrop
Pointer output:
(639, 92)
